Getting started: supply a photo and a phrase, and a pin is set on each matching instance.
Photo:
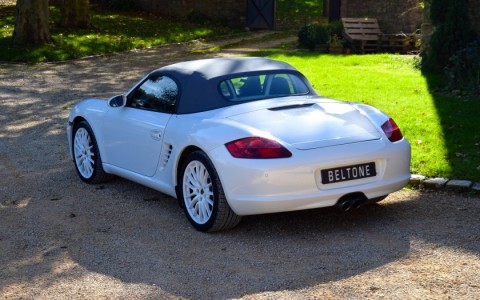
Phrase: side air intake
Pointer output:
(167, 151)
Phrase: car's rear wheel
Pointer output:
(86, 155)
(202, 195)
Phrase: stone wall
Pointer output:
(393, 15)
(233, 12)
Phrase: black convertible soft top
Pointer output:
(199, 79)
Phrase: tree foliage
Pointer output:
(463, 69)
(452, 32)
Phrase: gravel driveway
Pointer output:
(63, 239)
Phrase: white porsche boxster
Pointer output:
(230, 137)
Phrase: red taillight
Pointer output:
(257, 147)
(392, 131)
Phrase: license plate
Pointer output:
(348, 173)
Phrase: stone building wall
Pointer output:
(393, 15)
(231, 11)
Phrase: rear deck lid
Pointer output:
(312, 125)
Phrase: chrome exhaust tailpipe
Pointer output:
(344, 205)
(351, 201)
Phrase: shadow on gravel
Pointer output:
(70, 230)
(270, 252)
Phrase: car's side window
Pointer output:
(157, 93)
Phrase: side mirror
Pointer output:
(117, 101)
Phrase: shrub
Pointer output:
(312, 35)
(463, 69)
(335, 28)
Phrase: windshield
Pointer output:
(262, 86)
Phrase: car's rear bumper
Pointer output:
(277, 185)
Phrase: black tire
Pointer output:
(202, 195)
(86, 155)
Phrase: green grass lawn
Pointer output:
(111, 32)
(444, 131)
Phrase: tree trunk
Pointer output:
(76, 13)
(31, 23)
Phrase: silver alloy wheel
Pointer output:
(84, 156)
(198, 192)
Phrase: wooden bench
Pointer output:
(363, 34)
(397, 43)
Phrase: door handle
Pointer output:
(156, 134)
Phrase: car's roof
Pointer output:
(199, 79)
(216, 67)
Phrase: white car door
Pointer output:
(134, 133)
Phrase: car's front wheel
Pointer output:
(202, 195)
(86, 155)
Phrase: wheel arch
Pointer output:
(72, 126)
(77, 120)
(181, 158)
(74, 123)
(95, 173)
(221, 216)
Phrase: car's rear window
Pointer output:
(262, 86)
